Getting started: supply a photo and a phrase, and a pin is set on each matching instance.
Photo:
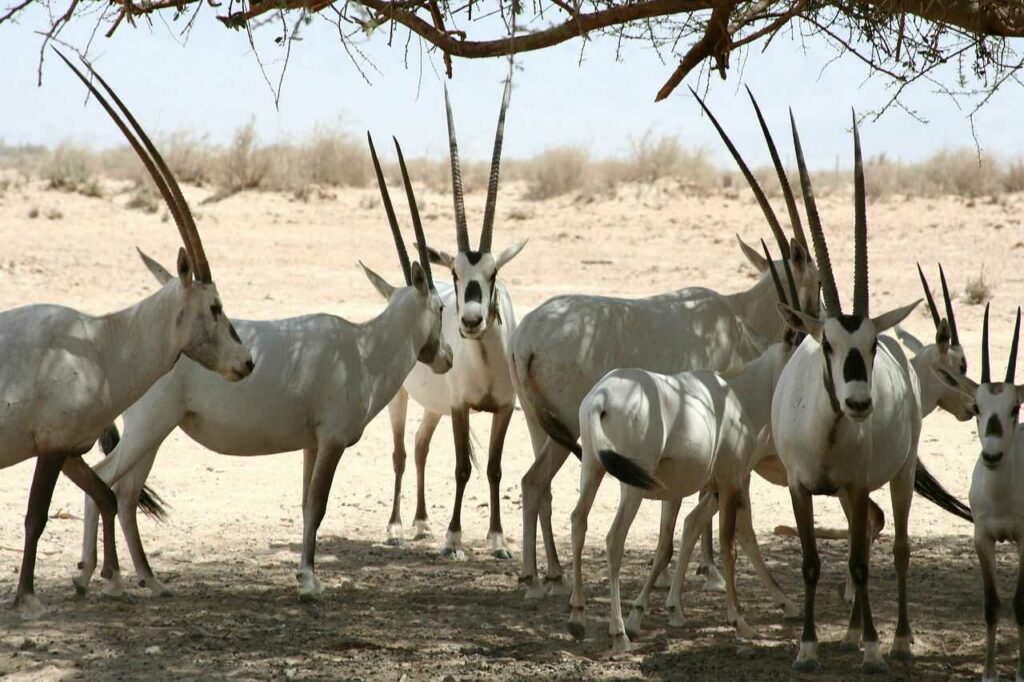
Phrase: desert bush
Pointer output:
(977, 290)
(555, 172)
(70, 168)
(960, 172)
(332, 157)
(243, 165)
(144, 199)
(1013, 177)
(651, 157)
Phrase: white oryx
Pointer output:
(563, 347)
(478, 322)
(66, 374)
(319, 380)
(669, 436)
(997, 502)
(846, 419)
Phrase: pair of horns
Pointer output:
(936, 318)
(396, 233)
(1011, 367)
(762, 200)
(158, 170)
(461, 231)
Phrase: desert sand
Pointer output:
(230, 547)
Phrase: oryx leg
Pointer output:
(748, 542)
(728, 500)
(876, 522)
(536, 485)
(902, 493)
(1018, 613)
(397, 409)
(803, 511)
(422, 448)
(129, 488)
(694, 522)
(327, 457)
(103, 497)
(591, 475)
(985, 546)
(499, 427)
(460, 428)
(713, 581)
(43, 482)
(615, 544)
(660, 576)
(860, 548)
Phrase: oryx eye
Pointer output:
(826, 346)
(1015, 411)
(216, 310)
(874, 347)
(974, 409)
(963, 367)
(455, 277)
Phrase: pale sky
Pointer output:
(213, 84)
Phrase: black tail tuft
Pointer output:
(150, 502)
(627, 471)
(929, 488)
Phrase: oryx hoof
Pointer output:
(713, 580)
(453, 553)
(633, 623)
(851, 641)
(422, 527)
(81, 585)
(901, 648)
(743, 630)
(807, 659)
(790, 611)
(555, 586)
(534, 588)
(577, 625)
(502, 554)
(873, 663)
(621, 643)
(393, 542)
(675, 617)
(310, 587)
(114, 589)
(29, 607)
(156, 588)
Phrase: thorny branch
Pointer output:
(901, 40)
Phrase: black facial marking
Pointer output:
(233, 334)
(851, 323)
(474, 256)
(994, 427)
(473, 292)
(854, 368)
(216, 310)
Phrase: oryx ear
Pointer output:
(892, 318)
(909, 340)
(378, 282)
(438, 257)
(798, 255)
(942, 337)
(799, 321)
(159, 271)
(955, 381)
(419, 279)
(756, 259)
(509, 253)
(184, 268)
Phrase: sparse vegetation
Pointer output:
(556, 172)
(54, 214)
(977, 290)
(144, 199)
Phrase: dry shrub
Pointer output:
(652, 157)
(70, 168)
(144, 199)
(1013, 178)
(190, 157)
(243, 165)
(556, 171)
(960, 172)
(332, 157)
(977, 290)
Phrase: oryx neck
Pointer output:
(755, 381)
(931, 388)
(389, 344)
(756, 306)
(141, 344)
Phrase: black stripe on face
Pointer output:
(851, 323)
(473, 292)
(994, 427)
(854, 368)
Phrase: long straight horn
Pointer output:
(181, 219)
(762, 200)
(860, 232)
(986, 374)
(417, 225)
(396, 233)
(1011, 367)
(950, 317)
(461, 232)
(936, 318)
(787, 191)
(492, 183)
(829, 293)
(779, 291)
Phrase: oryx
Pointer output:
(65, 374)
(563, 347)
(478, 322)
(997, 501)
(669, 436)
(846, 419)
(319, 380)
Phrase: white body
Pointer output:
(480, 381)
(690, 431)
(319, 379)
(565, 346)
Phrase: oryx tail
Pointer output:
(928, 487)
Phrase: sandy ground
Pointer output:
(230, 547)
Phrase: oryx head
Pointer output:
(795, 251)
(848, 341)
(995, 404)
(433, 350)
(946, 355)
(475, 272)
(200, 326)
(791, 338)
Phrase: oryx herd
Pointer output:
(680, 394)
